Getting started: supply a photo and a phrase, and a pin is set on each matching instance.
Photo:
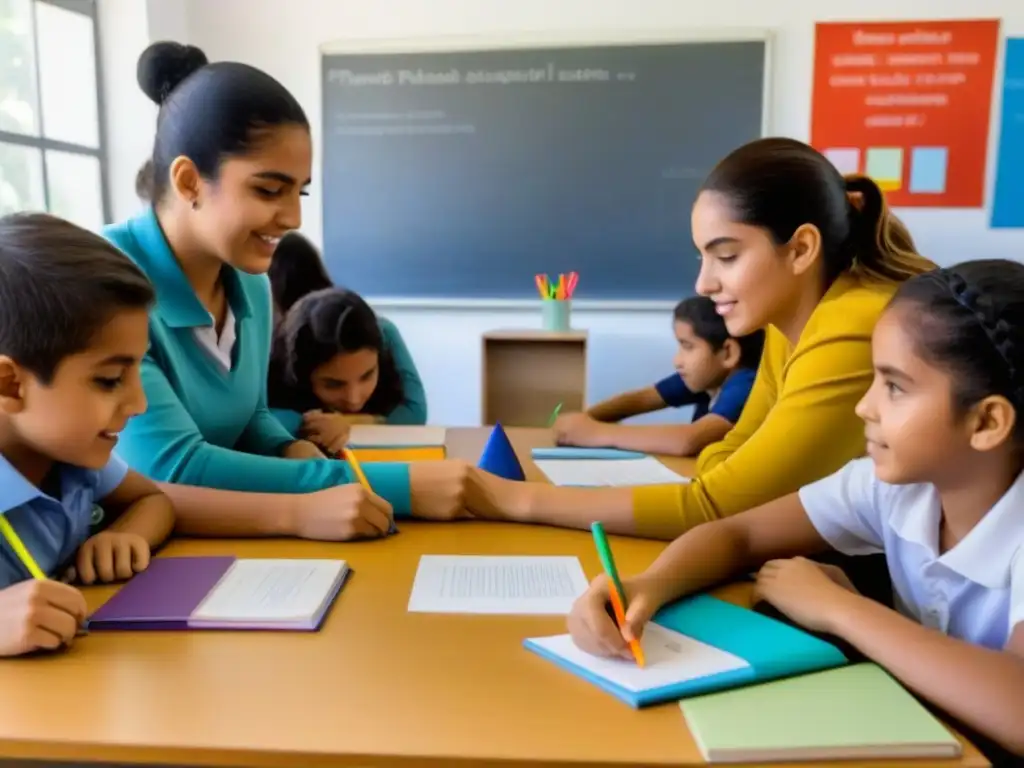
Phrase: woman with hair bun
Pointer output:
(231, 159)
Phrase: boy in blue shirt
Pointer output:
(73, 330)
(714, 374)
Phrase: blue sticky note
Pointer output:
(928, 169)
(574, 452)
(1008, 202)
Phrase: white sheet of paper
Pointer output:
(383, 436)
(669, 658)
(486, 584)
(608, 472)
(268, 589)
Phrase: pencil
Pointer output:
(353, 462)
(20, 549)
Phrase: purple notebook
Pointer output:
(225, 593)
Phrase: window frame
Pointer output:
(86, 8)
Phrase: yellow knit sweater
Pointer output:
(798, 425)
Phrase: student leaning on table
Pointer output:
(297, 271)
(788, 245)
(231, 159)
(942, 496)
(73, 330)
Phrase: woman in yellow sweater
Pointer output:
(786, 244)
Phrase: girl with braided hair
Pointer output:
(941, 495)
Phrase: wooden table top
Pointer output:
(376, 686)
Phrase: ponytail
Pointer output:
(879, 245)
(145, 181)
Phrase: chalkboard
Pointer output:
(460, 174)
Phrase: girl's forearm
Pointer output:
(699, 559)
(981, 687)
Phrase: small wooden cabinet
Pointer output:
(527, 373)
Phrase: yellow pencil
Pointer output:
(20, 549)
(353, 462)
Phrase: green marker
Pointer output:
(604, 551)
(554, 415)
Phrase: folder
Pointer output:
(371, 455)
(697, 645)
(574, 452)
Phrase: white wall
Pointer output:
(627, 348)
(130, 116)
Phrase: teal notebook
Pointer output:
(854, 712)
(698, 645)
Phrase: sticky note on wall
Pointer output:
(845, 159)
(885, 166)
(928, 169)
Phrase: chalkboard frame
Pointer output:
(541, 40)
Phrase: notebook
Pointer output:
(575, 452)
(385, 436)
(697, 645)
(853, 712)
(225, 593)
(605, 472)
(427, 453)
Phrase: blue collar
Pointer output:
(17, 490)
(176, 303)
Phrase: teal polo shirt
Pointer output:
(206, 426)
(51, 526)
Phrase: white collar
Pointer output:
(985, 554)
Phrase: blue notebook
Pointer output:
(573, 452)
(698, 645)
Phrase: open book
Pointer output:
(225, 593)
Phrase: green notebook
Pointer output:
(856, 711)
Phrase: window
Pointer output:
(51, 138)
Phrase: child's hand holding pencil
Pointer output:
(39, 615)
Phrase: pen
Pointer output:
(554, 415)
(618, 595)
(350, 457)
(20, 549)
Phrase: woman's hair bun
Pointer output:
(163, 65)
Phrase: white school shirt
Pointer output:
(219, 348)
(974, 592)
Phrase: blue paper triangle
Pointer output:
(499, 458)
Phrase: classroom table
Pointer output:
(377, 686)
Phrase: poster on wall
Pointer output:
(1008, 205)
(908, 104)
